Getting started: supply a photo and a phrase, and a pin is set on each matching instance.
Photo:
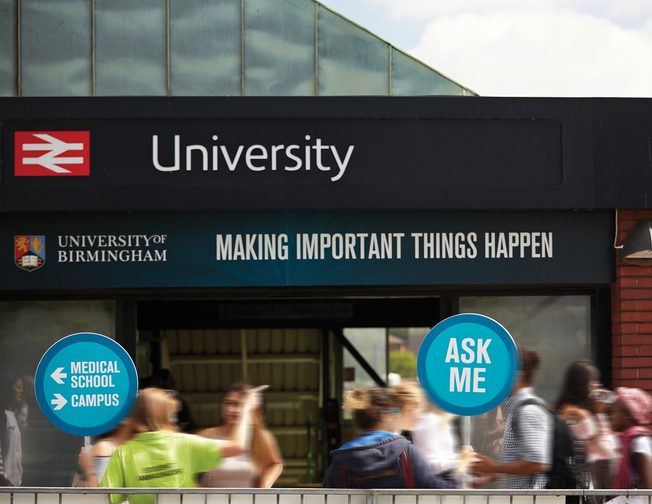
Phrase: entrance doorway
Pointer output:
(308, 351)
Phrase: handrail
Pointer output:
(325, 491)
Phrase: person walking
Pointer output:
(430, 428)
(605, 442)
(379, 458)
(159, 457)
(526, 451)
(630, 416)
(261, 464)
(11, 439)
(576, 406)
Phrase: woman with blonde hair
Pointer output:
(410, 401)
(379, 458)
(261, 464)
(158, 456)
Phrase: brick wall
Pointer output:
(631, 312)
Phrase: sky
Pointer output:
(590, 48)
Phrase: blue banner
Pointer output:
(314, 248)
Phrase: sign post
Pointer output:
(86, 384)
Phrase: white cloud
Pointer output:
(537, 50)
(523, 47)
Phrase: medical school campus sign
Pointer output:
(468, 364)
(85, 384)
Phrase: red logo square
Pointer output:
(52, 153)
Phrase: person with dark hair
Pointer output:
(576, 406)
(630, 416)
(580, 378)
(527, 450)
(379, 458)
(261, 464)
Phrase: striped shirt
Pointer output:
(533, 443)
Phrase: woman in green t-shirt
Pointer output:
(159, 457)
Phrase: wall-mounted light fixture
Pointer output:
(638, 244)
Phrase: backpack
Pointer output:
(365, 480)
(568, 468)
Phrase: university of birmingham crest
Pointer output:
(29, 252)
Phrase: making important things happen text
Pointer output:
(320, 246)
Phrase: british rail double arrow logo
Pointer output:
(52, 153)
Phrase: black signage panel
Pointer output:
(224, 153)
(115, 154)
(303, 249)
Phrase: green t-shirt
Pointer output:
(159, 460)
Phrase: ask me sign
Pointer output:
(468, 364)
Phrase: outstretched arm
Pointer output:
(485, 465)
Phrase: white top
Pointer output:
(13, 454)
(233, 472)
(433, 438)
(605, 444)
(22, 415)
(101, 463)
(642, 444)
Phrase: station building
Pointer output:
(268, 192)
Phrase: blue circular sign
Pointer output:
(86, 384)
(467, 364)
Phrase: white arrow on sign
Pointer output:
(51, 159)
(59, 402)
(58, 375)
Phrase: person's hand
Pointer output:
(573, 414)
(483, 480)
(85, 458)
(466, 458)
(483, 465)
(252, 398)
